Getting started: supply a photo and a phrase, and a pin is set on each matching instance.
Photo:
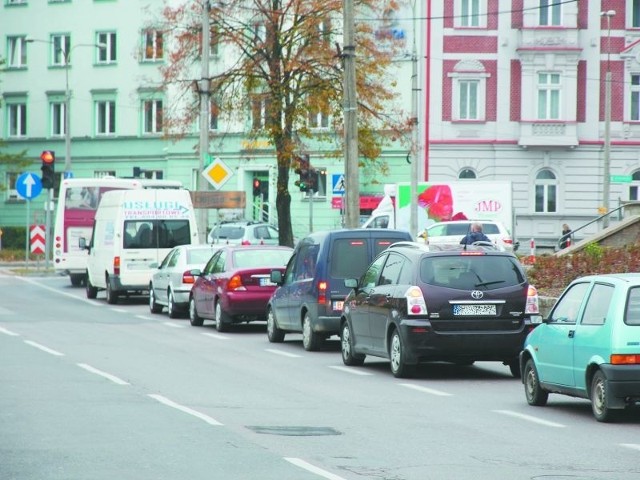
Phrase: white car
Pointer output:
(171, 283)
(452, 232)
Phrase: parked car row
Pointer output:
(387, 296)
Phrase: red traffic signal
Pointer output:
(256, 187)
(48, 158)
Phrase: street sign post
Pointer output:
(37, 235)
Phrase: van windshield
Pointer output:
(141, 234)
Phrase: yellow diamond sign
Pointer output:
(217, 173)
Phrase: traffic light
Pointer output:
(256, 187)
(303, 169)
(48, 158)
(312, 182)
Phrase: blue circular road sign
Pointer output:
(28, 185)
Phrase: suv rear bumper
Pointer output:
(424, 344)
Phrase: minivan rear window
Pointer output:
(349, 258)
(483, 272)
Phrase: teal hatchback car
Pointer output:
(589, 346)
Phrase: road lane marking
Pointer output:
(106, 375)
(529, 418)
(280, 352)
(634, 446)
(298, 462)
(217, 336)
(430, 391)
(51, 289)
(44, 349)
(174, 325)
(352, 371)
(118, 310)
(143, 317)
(169, 403)
(9, 332)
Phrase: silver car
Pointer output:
(244, 233)
(171, 283)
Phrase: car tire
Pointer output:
(399, 367)
(153, 305)
(310, 339)
(514, 367)
(274, 334)
(91, 291)
(172, 308)
(112, 295)
(222, 318)
(535, 394)
(599, 398)
(194, 318)
(349, 357)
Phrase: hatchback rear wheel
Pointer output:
(349, 357)
(399, 366)
(600, 398)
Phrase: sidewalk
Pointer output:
(23, 268)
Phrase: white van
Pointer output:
(133, 230)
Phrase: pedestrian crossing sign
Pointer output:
(338, 183)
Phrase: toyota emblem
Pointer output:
(477, 294)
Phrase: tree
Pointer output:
(15, 160)
(283, 63)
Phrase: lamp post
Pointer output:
(606, 184)
(66, 54)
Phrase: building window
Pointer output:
(550, 13)
(546, 191)
(468, 99)
(635, 186)
(17, 54)
(469, 13)
(12, 192)
(259, 108)
(17, 120)
(57, 118)
(60, 45)
(214, 42)
(549, 96)
(107, 52)
(106, 117)
(17, 2)
(318, 119)
(153, 48)
(214, 111)
(467, 173)
(635, 97)
(152, 116)
(635, 13)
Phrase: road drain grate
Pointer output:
(295, 431)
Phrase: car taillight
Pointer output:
(245, 242)
(532, 301)
(508, 241)
(322, 292)
(235, 283)
(116, 265)
(625, 359)
(187, 277)
(415, 301)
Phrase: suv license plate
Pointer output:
(474, 309)
(338, 305)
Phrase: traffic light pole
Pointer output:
(311, 210)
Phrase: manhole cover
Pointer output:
(295, 431)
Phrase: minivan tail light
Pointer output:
(322, 292)
(415, 301)
(508, 241)
(235, 283)
(116, 265)
(532, 306)
(246, 242)
(625, 359)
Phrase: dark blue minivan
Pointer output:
(311, 293)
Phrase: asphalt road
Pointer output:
(94, 391)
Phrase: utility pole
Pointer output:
(606, 180)
(415, 170)
(352, 180)
(204, 87)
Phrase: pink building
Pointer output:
(515, 90)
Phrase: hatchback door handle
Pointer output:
(571, 333)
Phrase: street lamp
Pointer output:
(66, 53)
(606, 187)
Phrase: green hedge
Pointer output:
(13, 237)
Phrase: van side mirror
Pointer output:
(276, 277)
(82, 243)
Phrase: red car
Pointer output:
(234, 286)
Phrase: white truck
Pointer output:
(444, 201)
